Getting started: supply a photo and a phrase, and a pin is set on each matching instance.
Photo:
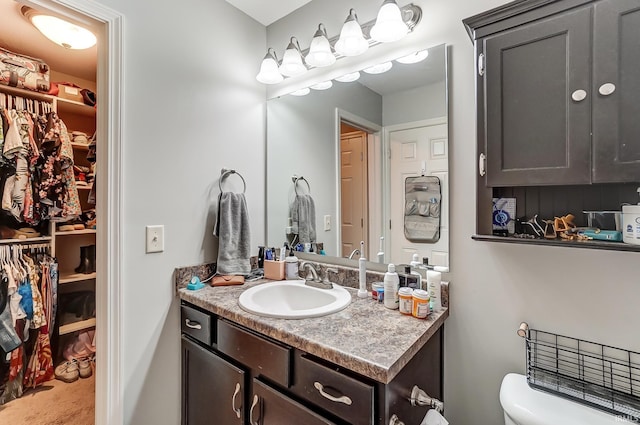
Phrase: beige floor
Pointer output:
(53, 403)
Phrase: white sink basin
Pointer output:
(292, 299)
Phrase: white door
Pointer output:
(411, 151)
(353, 191)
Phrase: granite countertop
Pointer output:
(365, 337)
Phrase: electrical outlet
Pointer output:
(327, 223)
(155, 238)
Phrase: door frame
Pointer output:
(109, 27)
(370, 128)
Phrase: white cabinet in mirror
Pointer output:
(356, 143)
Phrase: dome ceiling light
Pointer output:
(61, 32)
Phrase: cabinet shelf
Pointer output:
(612, 246)
(75, 277)
(77, 326)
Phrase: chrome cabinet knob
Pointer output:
(607, 88)
(579, 95)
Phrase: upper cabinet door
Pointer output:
(616, 91)
(538, 102)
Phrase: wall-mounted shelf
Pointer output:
(612, 246)
(77, 326)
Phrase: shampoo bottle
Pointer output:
(391, 286)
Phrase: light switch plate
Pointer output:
(155, 238)
(327, 223)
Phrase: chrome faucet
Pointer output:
(354, 252)
(312, 278)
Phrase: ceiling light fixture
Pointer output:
(416, 57)
(269, 73)
(348, 78)
(351, 41)
(61, 32)
(292, 60)
(389, 25)
(379, 68)
(320, 53)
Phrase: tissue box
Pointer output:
(504, 215)
(273, 270)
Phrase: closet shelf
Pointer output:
(39, 239)
(80, 146)
(73, 107)
(77, 326)
(27, 94)
(76, 232)
(79, 187)
(75, 277)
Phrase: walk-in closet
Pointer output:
(48, 224)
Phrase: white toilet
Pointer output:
(524, 405)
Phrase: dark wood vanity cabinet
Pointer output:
(558, 101)
(243, 377)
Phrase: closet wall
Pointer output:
(64, 244)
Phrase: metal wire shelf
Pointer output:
(601, 376)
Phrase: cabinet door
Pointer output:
(269, 407)
(536, 134)
(616, 91)
(212, 388)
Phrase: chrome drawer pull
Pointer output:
(395, 420)
(256, 399)
(233, 401)
(344, 399)
(192, 325)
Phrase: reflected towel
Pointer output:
(303, 217)
(234, 237)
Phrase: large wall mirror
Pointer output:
(372, 155)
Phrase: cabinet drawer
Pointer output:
(267, 358)
(196, 324)
(342, 395)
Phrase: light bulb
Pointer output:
(351, 41)
(269, 73)
(347, 78)
(320, 53)
(389, 25)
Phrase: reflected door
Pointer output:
(353, 190)
(413, 150)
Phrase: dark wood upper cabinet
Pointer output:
(558, 92)
(616, 91)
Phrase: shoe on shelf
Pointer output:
(67, 371)
(84, 368)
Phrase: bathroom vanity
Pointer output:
(357, 366)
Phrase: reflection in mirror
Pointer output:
(336, 140)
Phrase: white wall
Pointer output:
(584, 293)
(422, 103)
(193, 106)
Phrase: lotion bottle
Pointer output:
(362, 291)
(391, 286)
(434, 280)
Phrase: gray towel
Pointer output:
(234, 237)
(303, 217)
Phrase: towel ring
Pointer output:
(225, 172)
(296, 179)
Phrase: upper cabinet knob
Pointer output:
(579, 95)
(606, 89)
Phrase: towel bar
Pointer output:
(225, 172)
(295, 179)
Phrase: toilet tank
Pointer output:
(524, 405)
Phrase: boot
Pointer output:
(85, 266)
(91, 255)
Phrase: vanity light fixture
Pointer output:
(320, 53)
(323, 85)
(61, 32)
(389, 25)
(348, 78)
(292, 60)
(351, 41)
(269, 73)
(379, 68)
(302, 92)
(416, 57)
